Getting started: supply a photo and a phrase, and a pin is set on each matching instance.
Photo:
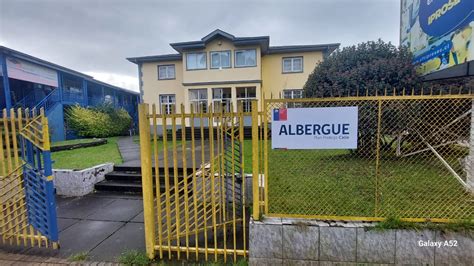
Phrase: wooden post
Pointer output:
(147, 179)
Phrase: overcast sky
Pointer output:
(95, 36)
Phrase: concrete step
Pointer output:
(115, 186)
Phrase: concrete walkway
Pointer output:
(102, 224)
(130, 151)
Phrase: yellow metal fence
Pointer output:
(27, 204)
(415, 161)
(193, 184)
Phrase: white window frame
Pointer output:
(164, 69)
(246, 100)
(220, 53)
(254, 51)
(197, 68)
(218, 100)
(169, 104)
(292, 96)
(292, 64)
(200, 103)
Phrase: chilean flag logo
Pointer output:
(280, 114)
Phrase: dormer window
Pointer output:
(195, 61)
(220, 59)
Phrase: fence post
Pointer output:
(147, 179)
(470, 159)
(255, 172)
(377, 157)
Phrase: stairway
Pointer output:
(128, 179)
(197, 133)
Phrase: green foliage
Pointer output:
(81, 256)
(371, 66)
(100, 122)
(134, 257)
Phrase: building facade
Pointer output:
(226, 71)
(30, 82)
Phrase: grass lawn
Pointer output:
(86, 157)
(73, 141)
(337, 183)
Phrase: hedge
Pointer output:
(98, 122)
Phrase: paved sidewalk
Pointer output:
(102, 224)
(130, 151)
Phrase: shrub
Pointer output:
(371, 66)
(102, 121)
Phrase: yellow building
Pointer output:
(223, 69)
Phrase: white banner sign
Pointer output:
(22, 70)
(315, 128)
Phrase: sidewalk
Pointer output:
(102, 224)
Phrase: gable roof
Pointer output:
(262, 41)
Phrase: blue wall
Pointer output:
(56, 122)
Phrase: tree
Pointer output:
(370, 67)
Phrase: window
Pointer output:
(293, 94)
(166, 72)
(198, 100)
(168, 103)
(222, 98)
(292, 64)
(196, 61)
(245, 95)
(220, 59)
(246, 58)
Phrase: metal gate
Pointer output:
(27, 200)
(194, 183)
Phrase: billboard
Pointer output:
(23, 70)
(439, 33)
(315, 128)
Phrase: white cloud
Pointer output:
(123, 81)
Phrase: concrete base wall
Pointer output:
(79, 183)
(311, 242)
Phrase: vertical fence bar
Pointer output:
(204, 181)
(222, 177)
(377, 157)
(147, 179)
(470, 167)
(177, 210)
(48, 172)
(212, 173)
(7, 141)
(265, 154)
(255, 158)
(185, 176)
(232, 140)
(158, 182)
(193, 159)
(242, 171)
(167, 178)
